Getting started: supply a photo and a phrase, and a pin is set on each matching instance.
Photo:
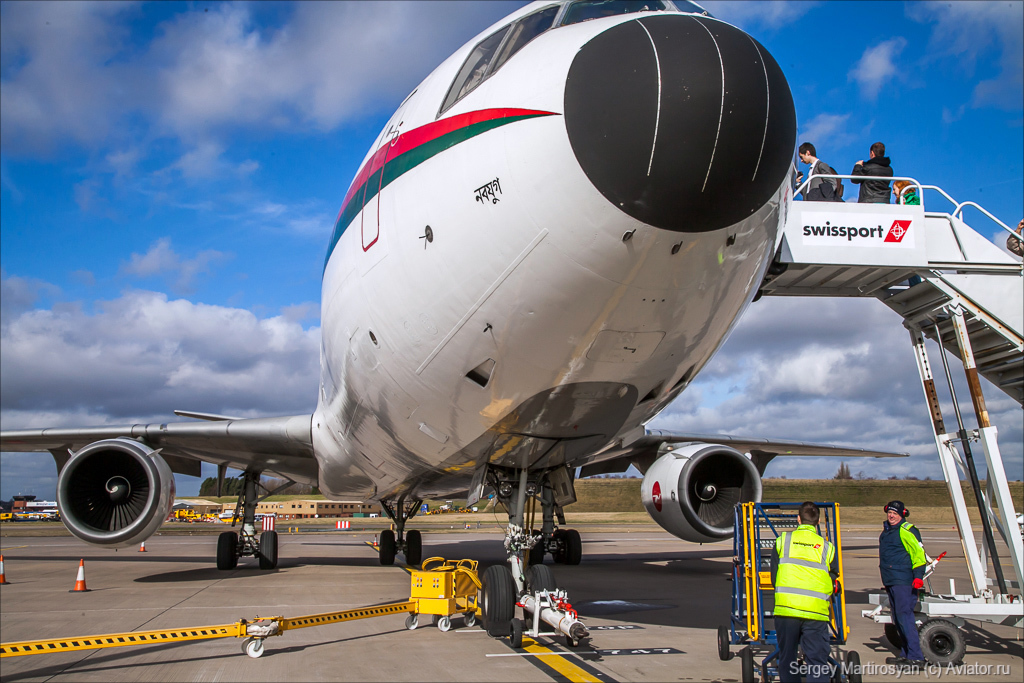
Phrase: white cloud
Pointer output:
(768, 15)
(837, 371)
(966, 31)
(70, 72)
(826, 131)
(161, 259)
(141, 356)
(876, 66)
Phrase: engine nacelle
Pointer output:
(115, 493)
(691, 491)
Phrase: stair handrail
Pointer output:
(913, 181)
(960, 208)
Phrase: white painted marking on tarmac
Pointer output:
(533, 654)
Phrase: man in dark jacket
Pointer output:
(873, 191)
(901, 561)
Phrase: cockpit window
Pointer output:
(584, 10)
(523, 32)
(473, 70)
(493, 51)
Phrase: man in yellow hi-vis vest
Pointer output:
(805, 571)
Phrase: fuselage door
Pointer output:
(376, 182)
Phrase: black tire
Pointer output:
(747, 665)
(559, 553)
(268, 550)
(386, 547)
(413, 548)
(499, 599)
(942, 642)
(853, 674)
(536, 553)
(723, 643)
(573, 547)
(515, 636)
(227, 550)
(892, 634)
(539, 577)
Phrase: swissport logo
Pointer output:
(656, 496)
(861, 230)
(898, 231)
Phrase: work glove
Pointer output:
(918, 584)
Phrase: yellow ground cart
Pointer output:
(444, 588)
(756, 527)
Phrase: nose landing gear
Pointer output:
(394, 541)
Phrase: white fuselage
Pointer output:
(539, 273)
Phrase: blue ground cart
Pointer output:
(751, 623)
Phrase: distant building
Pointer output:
(311, 509)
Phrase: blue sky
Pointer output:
(169, 174)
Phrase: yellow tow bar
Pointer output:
(255, 631)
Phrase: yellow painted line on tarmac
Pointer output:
(560, 664)
(14, 547)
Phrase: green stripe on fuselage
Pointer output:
(395, 168)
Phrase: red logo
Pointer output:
(817, 546)
(656, 496)
(898, 231)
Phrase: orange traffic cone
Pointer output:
(80, 581)
(3, 577)
(142, 548)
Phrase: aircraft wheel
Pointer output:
(853, 673)
(227, 550)
(413, 548)
(723, 643)
(412, 621)
(942, 642)
(386, 547)
(747, 665)
(498, 599)
(268, 550)
(559, 553)
(516, 636)
(537, 553)
(253, 647)
(539, 577)
(892, 634)
(573, 547)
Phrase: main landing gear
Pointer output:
(392, 542)
(231, 545)
(518, 583)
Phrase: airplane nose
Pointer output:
(683, 122)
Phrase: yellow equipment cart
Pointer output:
(444, 588)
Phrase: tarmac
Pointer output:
(653, 603)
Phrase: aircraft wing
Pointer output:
(644, 450)
(281, 445)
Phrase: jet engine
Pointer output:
(691, 491)
(115, 492)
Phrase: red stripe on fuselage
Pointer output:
(418, 136)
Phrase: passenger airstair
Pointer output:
(952, 285)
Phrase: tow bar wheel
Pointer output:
(253, 647)
(412, 621)
(942, 642)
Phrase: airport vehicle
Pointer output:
(756, 527)
(6, 516)
(548, 241)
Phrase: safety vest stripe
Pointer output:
(802, 591)
(813, 564)
(786, 559)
